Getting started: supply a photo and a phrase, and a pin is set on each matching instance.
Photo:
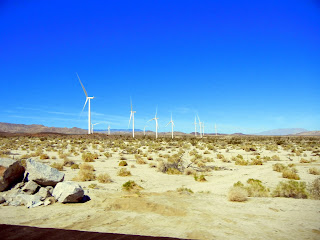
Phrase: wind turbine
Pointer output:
(93, 124)
(156, 119)
(89, 110)
(108, 129)
(195, 126)
(172, 124)
(132, 116)
(215, 127)
(200, 126)
(144, 130)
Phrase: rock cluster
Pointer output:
(37, 184)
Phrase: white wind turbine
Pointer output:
(93, 124)
(195, 126)
(172, 124)
(108, 129)
(89, 110)
(156, 119)
(144, 130)
(132, 116)
(215, 127)
(200, 126)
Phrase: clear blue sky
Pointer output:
(248, 66)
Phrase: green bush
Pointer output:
(291, 189)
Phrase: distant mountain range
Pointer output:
(283, 131)
(34, 128)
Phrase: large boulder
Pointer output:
(43, 174)
(11, 172)
(68, 192)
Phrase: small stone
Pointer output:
(43, 193)
(49, 201)
(31, 187)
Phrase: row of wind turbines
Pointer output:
(91, 125)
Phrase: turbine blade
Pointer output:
(130, 119)
(150, 120)
(84, 106)
(168, 123)
(85, 92)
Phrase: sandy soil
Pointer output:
(159, 210)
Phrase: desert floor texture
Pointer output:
(171, 202)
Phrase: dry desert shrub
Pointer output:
(89, 157)
(107, 154)
(237, 194)
(314, 171)
(303, 160)
(278, 167)
(189, 171)
(200, 178)
(75, 166)
(184, 190)
(255, 188)
(104, 178)
(290, 173)
(152, 165)
(58, 166)
(123, 158)
(131, 186)
(275, 158)
(241, 162)
(291, 189)
(124, 172)
(314, 189)
(256, 161)
(123, 163)
(86, 173)
(44, 156)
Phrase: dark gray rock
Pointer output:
(31, 187)
(43, 174)
(11, 172)
(68, 192)
(2, 200)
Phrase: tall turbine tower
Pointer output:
(172, 124)
(156, 119)
(132, 116)
(93, 124)
(200, 126)
(144, 130)
(215, 127)
(195, 126)
(89, 110)
(108, 129)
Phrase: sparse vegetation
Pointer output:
(104, 178)
(124, 172)
(131, 186)
(237, 194)
(291, 189)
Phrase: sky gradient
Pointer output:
(248, 66)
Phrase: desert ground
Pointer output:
(186, 187)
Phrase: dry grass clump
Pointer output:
(67, 162)
(86, 173)
(256, 161)
(58, 166)
(200, 178)
(123, 158)
(189, 171)
(303, 160)
(124, 172)
(184, 190)
(291, 189)
(314, 171)
(278, 167)
(255, 188)
(75, 166)
(290, 173)
(275, 158)
(104, 178)
(44, 156)
(89, 157)
(139, 159)
(314, 189)
(107, 154)
(152, 165)
(131, 186)
(241, 162)
(237, 194)
(123, 163)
